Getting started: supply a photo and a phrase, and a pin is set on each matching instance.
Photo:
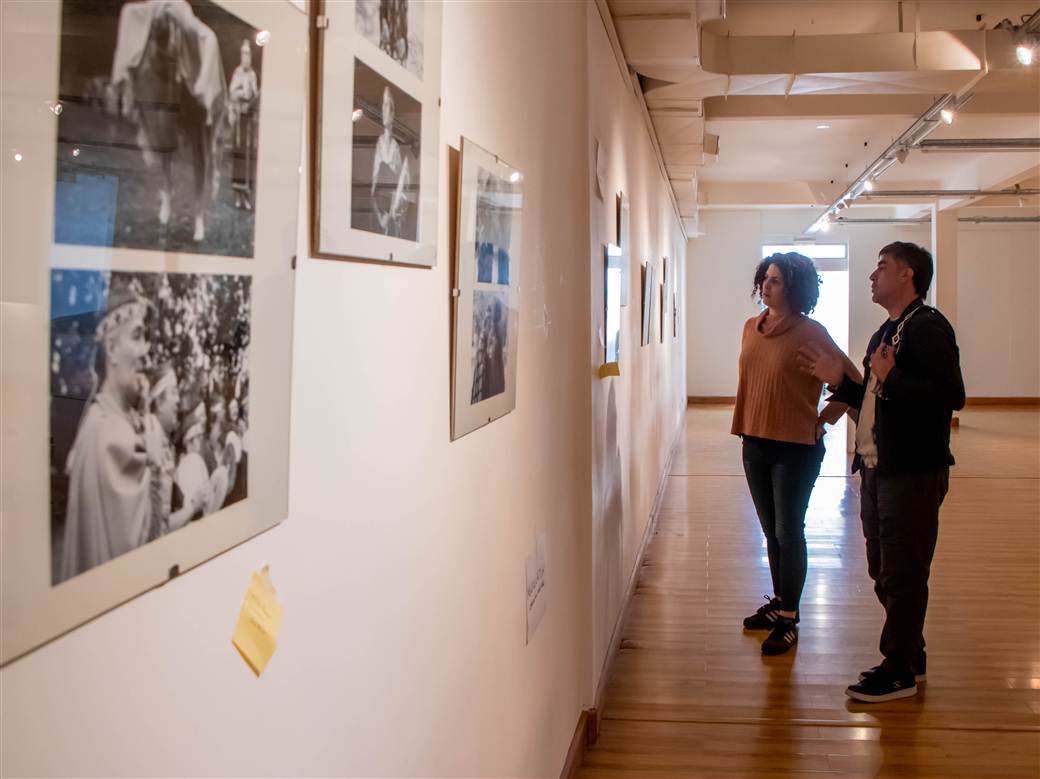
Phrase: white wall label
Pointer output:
(536, 595)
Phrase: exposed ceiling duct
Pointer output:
(690, 55)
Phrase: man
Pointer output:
(108, 508)
(912, 385)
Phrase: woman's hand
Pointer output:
(824, 365)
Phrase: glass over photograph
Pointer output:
(386, 146)
(157, 146)
(396, 27)
(495, 211)
(490, 352)
(149, 376)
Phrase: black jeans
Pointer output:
(901, 523)
(780, 476)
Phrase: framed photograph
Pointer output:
(675, 315)
(144, 366)
(158, 128)
(661, 310)
(487, 285)
(648, 301)
(612, 273)
(624, 242)
(375, 122)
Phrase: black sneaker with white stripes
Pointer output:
(783, 636)
(765, 617)
(882, 685)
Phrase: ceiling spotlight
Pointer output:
(902, 154)
(356, 116)
(1024, 54)
(514, 176)
(263, 38)
(827, 126)
(946, 115)
(826, 225)
(18, 156)
(868, 186)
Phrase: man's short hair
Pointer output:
(915, 257)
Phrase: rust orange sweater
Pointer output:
(775, 399)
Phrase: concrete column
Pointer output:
(943, 294)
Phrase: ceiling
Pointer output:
(763, 75)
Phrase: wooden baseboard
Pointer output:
(711, 400)
(1002, 401)
(579, 746)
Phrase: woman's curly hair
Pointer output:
(801, 282)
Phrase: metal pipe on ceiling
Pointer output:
(998, 219)
(927, 220)
(979, 144)
(880, 221)
(1013, 192)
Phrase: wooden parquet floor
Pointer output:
(691, 695)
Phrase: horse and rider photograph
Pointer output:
(158, 126)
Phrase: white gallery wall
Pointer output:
(635, 416)
(401, 565)
(998, 286)
(997, 268)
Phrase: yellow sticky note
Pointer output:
(256, 634)
(609, 369)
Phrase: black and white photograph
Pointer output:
(490, 344)
(486, 324)
(158, 130)
(649, 293)
(396, 27)
(387, 133)
(612, 272)
(149, 378)
(496, 202)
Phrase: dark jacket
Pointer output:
(912, 414)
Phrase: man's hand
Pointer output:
(882, 361)
(826, 366)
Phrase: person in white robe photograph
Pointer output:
(108, 498)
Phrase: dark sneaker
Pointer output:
(783, 636)
(920, 669)
(882, 686)
(765, 617)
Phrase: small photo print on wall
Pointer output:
(158, 129)
(495, 208)
(396, 27)
(387, 133)
(489, 348)
(149, 376)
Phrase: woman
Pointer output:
(776, 416)
(390, 175)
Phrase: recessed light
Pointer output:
(823, 127)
